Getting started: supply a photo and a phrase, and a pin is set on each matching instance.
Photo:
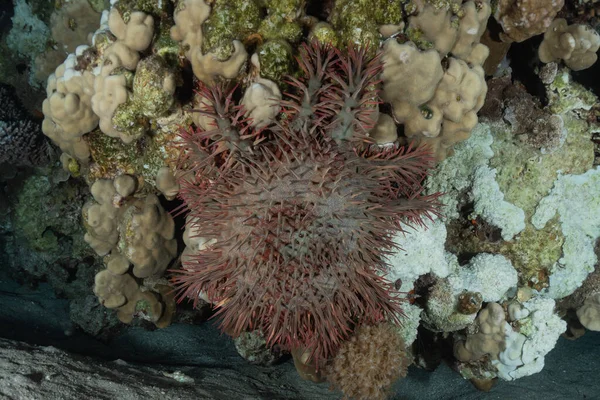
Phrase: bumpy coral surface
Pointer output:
(21, 142)
(369, 363)
(576, 44)
(522, 19)
(301, 213)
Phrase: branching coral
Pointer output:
(302, 212)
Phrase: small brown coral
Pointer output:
(522, 19)
(469, 302)
(367, 365)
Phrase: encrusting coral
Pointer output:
(300, 212)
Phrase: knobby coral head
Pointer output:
(300, 214)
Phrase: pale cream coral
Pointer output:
(589, 313)
(136, 33)
(471, 27)
(207, 67)
(118, 290)
(422, 121)
(134, 231)
(436, 25)
(489, 339)
(436, 107)
(575, 44)
(119, 55)
(261, 102)
(111, 91)
(189, 17)
(67, 109)
(166, 183)
(479, 54)
(101, 214)
(409, 75)
(384, 131)
(147, 236)
(125, 185)
(111, 84)
(462, 89)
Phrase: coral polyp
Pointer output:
(299, 217)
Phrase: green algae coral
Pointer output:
(229, 20)
(276, 59)
(280, 21)
(357, 21)
(40, 216)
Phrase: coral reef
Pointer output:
(504, 196)
(303, 145)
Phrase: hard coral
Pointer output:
(575, 44)
(369, 363)
(301, 212)
(522, 19)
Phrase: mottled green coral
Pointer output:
(532, 253)
(229, 20)
(99, 5)
(144, 157)
(156, 8)
(276, 59)
(40, 213)
(280, 22)
(153, 85)
(416, 36)
(166, 47)
(129, 120)
(324, 33)
(358, 21)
